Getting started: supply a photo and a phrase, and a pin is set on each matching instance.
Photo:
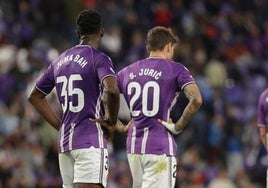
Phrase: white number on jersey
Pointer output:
(68, 90)
(142, 93)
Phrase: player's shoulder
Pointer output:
(264, 93)
(176, 63)
(263, 98)
(60, 56)
(101, 57)
(100, 54)
(96, 51)
(132, 66)
(177, 66)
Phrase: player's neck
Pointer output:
(158, 54)
(89, 40)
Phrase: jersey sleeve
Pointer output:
(45, 82)
(104, 67)
(261, 111)
(184, 77)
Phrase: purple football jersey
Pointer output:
(77, 75)
(151, 88)
(263, 109)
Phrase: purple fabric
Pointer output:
(77, 75)
(151, 87)
(263, 109)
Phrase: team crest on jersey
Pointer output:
(132, 76)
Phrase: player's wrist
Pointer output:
(176, 131)
(177, 128)
(172, 128)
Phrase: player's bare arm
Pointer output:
(110, 101)
(193, 94)
(38, 100)
(194, 97)
(111, 106)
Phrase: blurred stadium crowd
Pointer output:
(224, 43)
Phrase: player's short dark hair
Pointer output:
(158, 37)
(88, 22)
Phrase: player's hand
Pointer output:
(122, 128)
(170, 126)
(108, 129)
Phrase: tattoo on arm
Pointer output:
(191, 108)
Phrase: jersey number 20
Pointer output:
(143, 94)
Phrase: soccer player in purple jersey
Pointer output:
(262, 121)
(87, 89)
(151, 87)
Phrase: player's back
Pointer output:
(151, 87)
(78, 74)
(76, 79)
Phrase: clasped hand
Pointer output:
(170, 126)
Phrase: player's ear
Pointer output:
(148, 48)
(101, 32)
(78, 34)
(169, 47)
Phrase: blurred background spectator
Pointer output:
(224, 43)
